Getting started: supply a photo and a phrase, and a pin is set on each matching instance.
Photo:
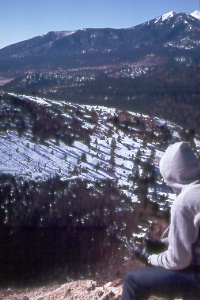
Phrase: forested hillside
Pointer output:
(76, 182)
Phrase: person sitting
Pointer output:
(175, 272)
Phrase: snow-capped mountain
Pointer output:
(196, 14)
(159, 40)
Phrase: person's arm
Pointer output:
(164, 238)
(182, 234)
(165, 241)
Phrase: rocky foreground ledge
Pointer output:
(83, 289)
(77, 290)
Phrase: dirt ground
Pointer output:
(76, 290)
(86, 289)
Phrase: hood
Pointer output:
(179, 166)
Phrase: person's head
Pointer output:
(179, 166)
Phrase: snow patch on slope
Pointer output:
(21, 156)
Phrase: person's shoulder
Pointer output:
(190, 195)
(192, 188)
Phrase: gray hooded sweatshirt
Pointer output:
(180, 169)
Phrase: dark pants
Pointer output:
(141, 283)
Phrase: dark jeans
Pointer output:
(142, 283)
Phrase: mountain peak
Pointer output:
(196, 14)
(165, 16)
(168, 15)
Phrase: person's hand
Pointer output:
(154, 246)
(142, 248)
(138, 251)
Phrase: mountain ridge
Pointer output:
(165, 37)
(63, 33)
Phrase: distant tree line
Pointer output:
(170, 93)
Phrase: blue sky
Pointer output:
(24, 19)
